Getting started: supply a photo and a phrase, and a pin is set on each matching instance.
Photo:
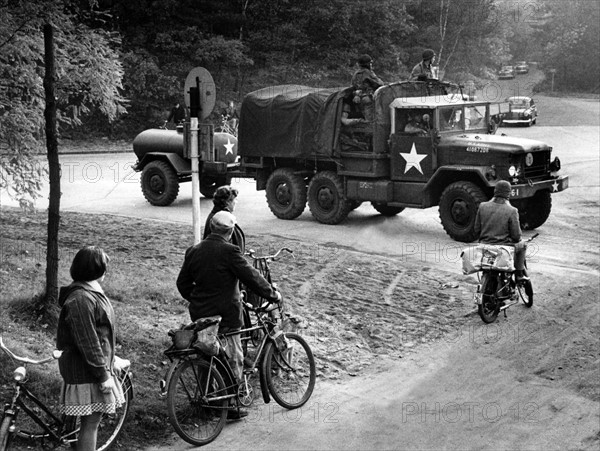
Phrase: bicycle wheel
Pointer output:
(111, 424)
(490, 305)
(4, 434)
(290, 374)
(197, 417)
(526, 292)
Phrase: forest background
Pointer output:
(122, 63)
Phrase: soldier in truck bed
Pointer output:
(365, 82)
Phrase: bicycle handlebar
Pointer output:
(26, 359)
(270, 257)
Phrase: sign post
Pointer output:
(199, 92)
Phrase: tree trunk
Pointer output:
(51, 294)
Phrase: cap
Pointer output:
(428, 54)
(502, 189)
(222, 222)
(364, 60)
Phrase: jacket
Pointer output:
(497, 222)
(421, 69)
(209, 277)
(365, 79)
(85, 334)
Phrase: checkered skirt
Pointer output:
(85, 399)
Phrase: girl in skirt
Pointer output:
(86, 335)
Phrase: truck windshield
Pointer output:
(451, 118)
(474, 117)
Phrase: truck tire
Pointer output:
(160, 184)
(209, 185)
(326, 198)
(534, 211)
(385, 210)
(458, 206)
(286, 193)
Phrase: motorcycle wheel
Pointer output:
(490, 304)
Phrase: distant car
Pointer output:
(521, 67)
(506, 72)
(522, 111)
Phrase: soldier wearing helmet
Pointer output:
(424, 70)
(365, 82)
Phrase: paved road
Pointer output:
(107, 184)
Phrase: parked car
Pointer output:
(522, 110)
(506, 72)
(521, 67)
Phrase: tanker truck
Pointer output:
(164, 160)
(293, 143)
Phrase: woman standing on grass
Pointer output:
(86, 335)
(225, 199)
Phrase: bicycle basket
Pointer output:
(182, 338)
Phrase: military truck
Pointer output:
(293, 143)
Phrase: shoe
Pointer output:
(236, 414)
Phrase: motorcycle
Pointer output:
(498, 288)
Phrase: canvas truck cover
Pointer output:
(288, 121)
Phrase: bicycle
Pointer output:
(201, 388)
(228, 125)
(261, 264)
(47, 427)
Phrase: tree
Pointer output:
(88, 78)
(570, 33)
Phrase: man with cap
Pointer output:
(424, 70)
(497, 222)
(209, 280)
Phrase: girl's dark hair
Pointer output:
(89, 264)
(223, 195)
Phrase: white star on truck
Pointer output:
(413, 159)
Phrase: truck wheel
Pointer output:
(286, 193)
(208, 185)
(159, 183)
(458, 206)
(534, 211)
(326, 198)
(385, 209)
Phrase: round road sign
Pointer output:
(199, 77)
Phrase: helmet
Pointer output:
(502, 189)
(428, 54)
(364, 60)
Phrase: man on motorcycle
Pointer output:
(497, 222)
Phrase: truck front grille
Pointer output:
(540, 167)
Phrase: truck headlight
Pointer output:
(514, 171)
